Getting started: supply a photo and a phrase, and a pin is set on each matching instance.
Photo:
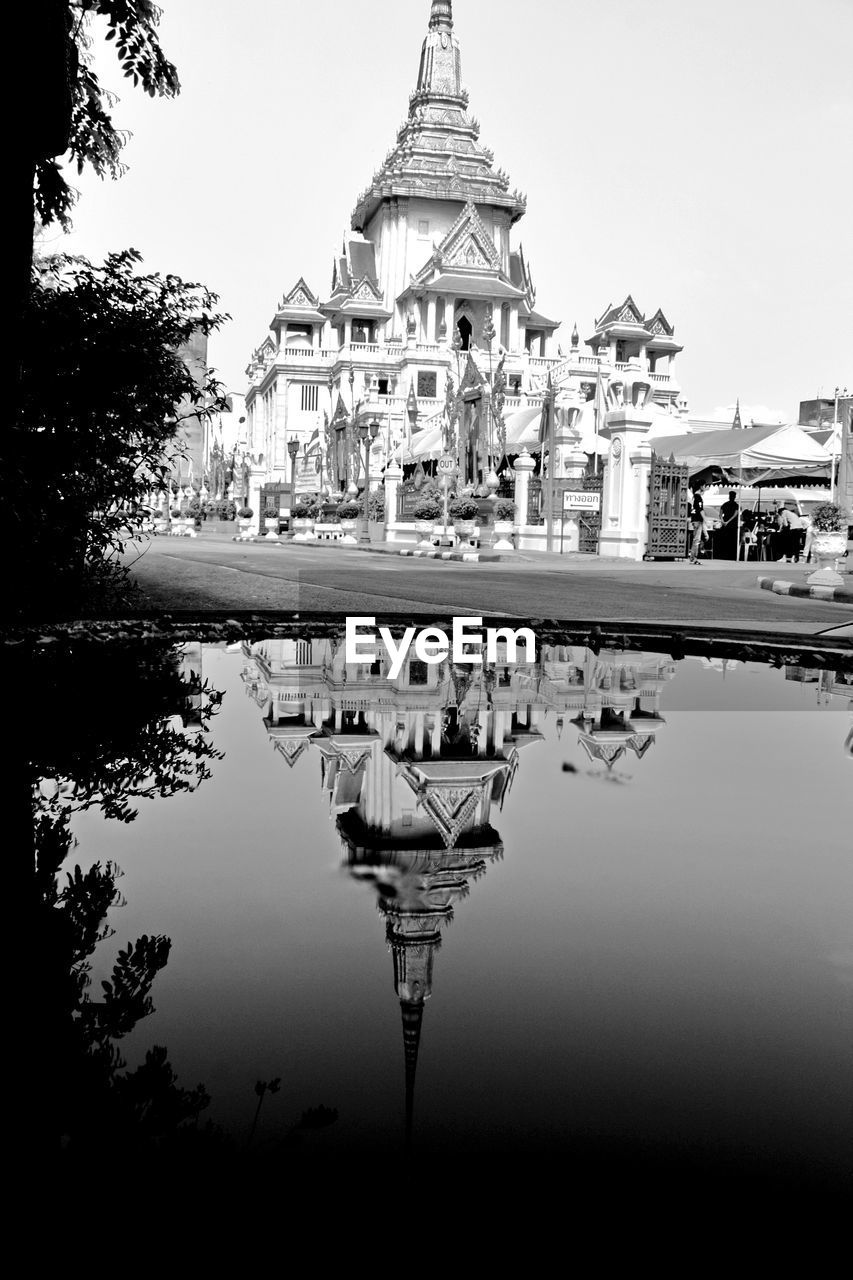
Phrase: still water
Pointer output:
(598, 906)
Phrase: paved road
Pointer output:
(201, 574)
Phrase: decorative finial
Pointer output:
(442, 15)
(575, 338)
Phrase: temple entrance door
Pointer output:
(669, 500)
(589, 523)
(466, 329)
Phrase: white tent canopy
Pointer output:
(753, 449)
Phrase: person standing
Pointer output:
(697, 518)
(727, 535)
(789, 533)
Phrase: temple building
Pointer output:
(430, 296)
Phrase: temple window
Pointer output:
(620, 352)
(418, 674)
(423, 230)
(427, 386)
(383, 386)
(299, 335)
(310, 398)
(466, 329)
(362, 331)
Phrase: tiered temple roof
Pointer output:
(438, 153)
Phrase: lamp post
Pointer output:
(292, 449)
(367, 434)
(840, 394)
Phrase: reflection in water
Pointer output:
(413, 766)
(156, 747)
(424, 777)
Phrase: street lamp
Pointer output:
(841, 393)
(367, 435)
(292, 449)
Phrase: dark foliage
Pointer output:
(159, 747)
(92, 137)
(102, 395)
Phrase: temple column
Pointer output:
(387, 256)
(393, 480)
(625, 493)
(431, 334)
(257, 476)
(347, 331)
(524, 468)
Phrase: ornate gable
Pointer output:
(366, 291)
(292, 749)
(627, 313)
(450, 810)
(659, 326)
(301, 296)
(468, 243)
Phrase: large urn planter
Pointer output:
(304, 529)
(425, 528)
(503, 531)
(244, 524)
(827, 548)
(465, 530)
(348, 530)
(271, 526)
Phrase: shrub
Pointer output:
(505, 509)
(427, 509)
(829, 518)
(463, 509)
(376, 505)
(349, 511)
(303, 510)
(176, 513)
(246, 513)
(230, 510)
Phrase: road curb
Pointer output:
(837, 595)
(465, 557)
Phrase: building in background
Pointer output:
(188, 456)
(429, 282)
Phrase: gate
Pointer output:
(669, 505)
(589, 523)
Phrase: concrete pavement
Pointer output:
(207, 574)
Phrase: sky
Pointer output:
(697, 154)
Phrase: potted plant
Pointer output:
(463, 512)
(427, 511)
(504, 523)
(348, 513)
(828, 543)
(303, 515)
(244, 519)
(376, 515)
(271, 523)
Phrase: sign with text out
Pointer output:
(447, 465)
(576, 500)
